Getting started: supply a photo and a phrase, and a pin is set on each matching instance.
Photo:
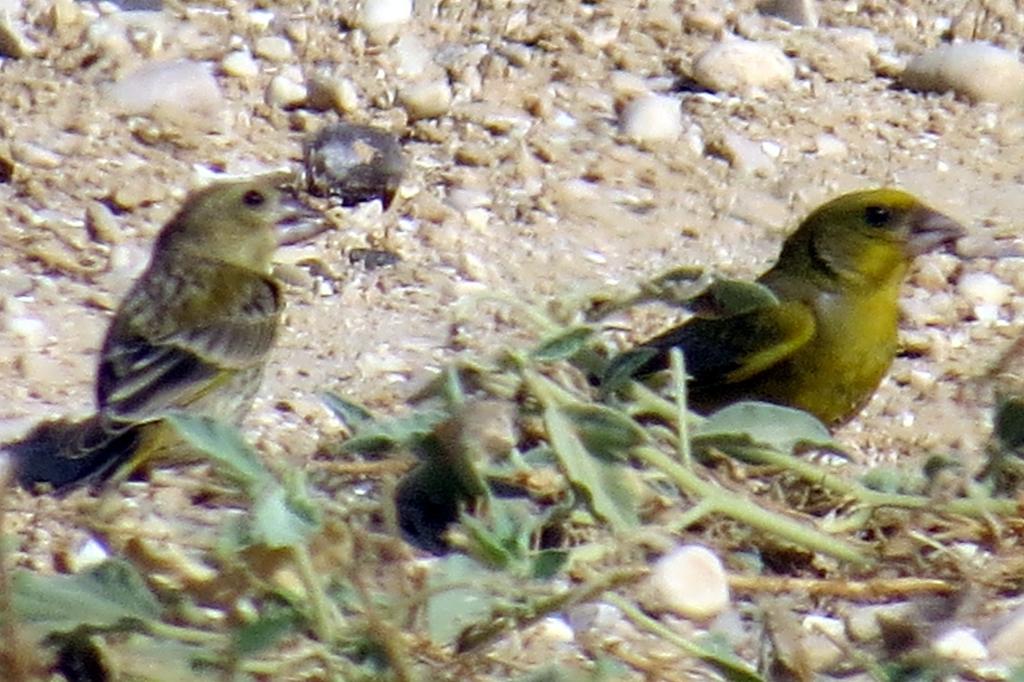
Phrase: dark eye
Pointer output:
(254, 198)
(877, 216)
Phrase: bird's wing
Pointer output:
(208, 327)
(732, 349)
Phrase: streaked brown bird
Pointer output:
(193, 334)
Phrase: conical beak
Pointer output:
(299, 222)
(930, 230)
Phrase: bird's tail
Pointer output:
(62, 455)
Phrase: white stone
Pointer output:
(1008, 642)
(691, 582)
(429, 99)
(983, 288)
(168, 87)
(746, 156)
(830, 147)
(273, 48)
(379, 14)
(960, 644)
(90, 554)
(240, 64)
(652, 119)
(798, 12)
(284, 92)
(980, 72)
(31, 330)
(738, 65)
(411, 56)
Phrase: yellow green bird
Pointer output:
(193, 334)
(829, 336)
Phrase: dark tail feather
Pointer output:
(63, 455)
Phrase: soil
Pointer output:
(525, 190)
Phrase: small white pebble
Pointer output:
(429, 99)
(273, 48)
(182, 85)
(691, 582)
(977, 71)
(1008, 642)
(797, 12)
(595, 618)
(830, 147)
(738, 65)
(260, 19)
(90, 554)
(960, 644)
(652, 119)
(382, 19)
(284, 92)
(31, 330)
(745, 155)
(36, 155)
(983, 288)
(240, 64)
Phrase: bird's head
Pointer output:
(869, 237)
(240, 222)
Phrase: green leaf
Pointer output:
(265, 632)
(600, 482)
(563, 346)
(104, 596)
(393, 434)
(456, 602)
(224, 446)
(353, 416)
(548, 562)
(605, 432)
(623, 367)
(277, 521)
(781, 428)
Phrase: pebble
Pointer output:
(31, 330)
(382, 19)
(138, 191)
(32, 154)
(597, 618)
(355, 163)
(961, 645)
(737, 65)
(273, 48)
(829, 146)
(90, 554)
(983, 288)
(169, 87)
(285, 93)
(13, 41)
(691, 582)
(430, 99)
(798, 12)
(652, 119)
(820, 647)
(745, 155)
(979, 72)
(1008, 642)
(411, 56)
(240, 64)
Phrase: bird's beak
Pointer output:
(930, 230)
(299, 222)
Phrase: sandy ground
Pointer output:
(524, 188)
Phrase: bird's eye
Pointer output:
(254, 198)
(877, 216)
